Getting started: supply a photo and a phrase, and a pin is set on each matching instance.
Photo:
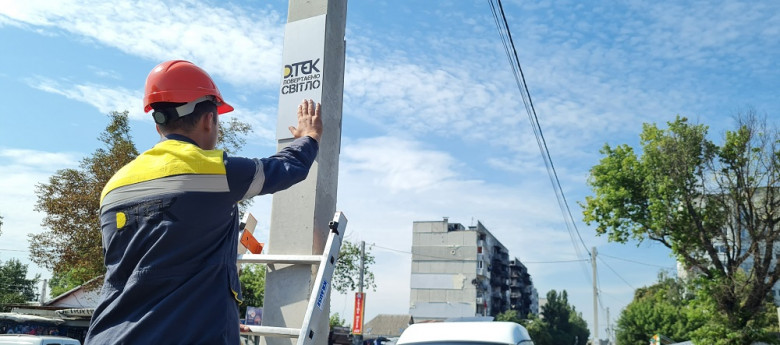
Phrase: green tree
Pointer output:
(346, 277)
(337, 321)
(714, 328)
(564, 323)
(716, 207)
(62, 282)
(70, 245)
(71, 242)
(662, 308)
(14, 286)
(538, 329)
(561, 323)
(509, 315)
(252, 279)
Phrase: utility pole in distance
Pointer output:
(313, 68)
(357, 338)
(595, 300)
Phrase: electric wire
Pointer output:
(374, 245)
(13, 250)
(511, 52)
(615, 272)
(633, 261)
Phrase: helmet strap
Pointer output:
(162, 116)
(188, 108)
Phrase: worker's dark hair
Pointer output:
(187, 122)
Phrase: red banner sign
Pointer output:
(357, 321)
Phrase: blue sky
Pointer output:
(433, 124)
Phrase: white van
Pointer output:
(465, 333)
(26, 339)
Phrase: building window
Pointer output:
(479, 250)
(479, 264)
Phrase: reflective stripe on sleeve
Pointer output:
(257, 181)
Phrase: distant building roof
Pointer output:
(386, 325)
(78, 297)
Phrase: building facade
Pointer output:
(462, 271)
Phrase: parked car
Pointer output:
(465, 333)
(26, 339)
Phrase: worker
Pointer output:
(170, 220)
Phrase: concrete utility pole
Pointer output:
(595, 299)
(313, 69)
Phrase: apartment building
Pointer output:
(460, 271)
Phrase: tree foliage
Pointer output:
(252, 279)
(716, 207)
(346, 277)
(561, 323)
(14, 286)
(510, 316)
(717, 328)
(70, 245)
(71, 242)
(336, 321)
(663, 308)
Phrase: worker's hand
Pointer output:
(309, 121)
(243, 328)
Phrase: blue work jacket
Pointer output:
(169, 221)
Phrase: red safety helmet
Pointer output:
(181, 81)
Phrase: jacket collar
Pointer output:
(180, 137)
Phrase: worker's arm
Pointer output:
(287, 167)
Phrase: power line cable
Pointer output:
(13, 250)
(506, 39)
(633, 261)
(615, 272)
(374, 245)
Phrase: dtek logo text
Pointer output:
(301, 76)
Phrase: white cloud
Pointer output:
(242, 46)
(105, 99)
(24, 158)
(397, 165)
(391, 182)
(20, 171)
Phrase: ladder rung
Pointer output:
(280, 259)
(273, 331)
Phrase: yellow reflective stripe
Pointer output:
(167, 158)
(235, 296)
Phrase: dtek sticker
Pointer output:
(301, 76)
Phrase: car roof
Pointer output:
(484, 332)
(26, 338)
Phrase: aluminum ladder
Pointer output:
(314, 311)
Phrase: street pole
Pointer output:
(595, 300)
(313, 68)
(609, 328)
(357, 339)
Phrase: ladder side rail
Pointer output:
(323, 281)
